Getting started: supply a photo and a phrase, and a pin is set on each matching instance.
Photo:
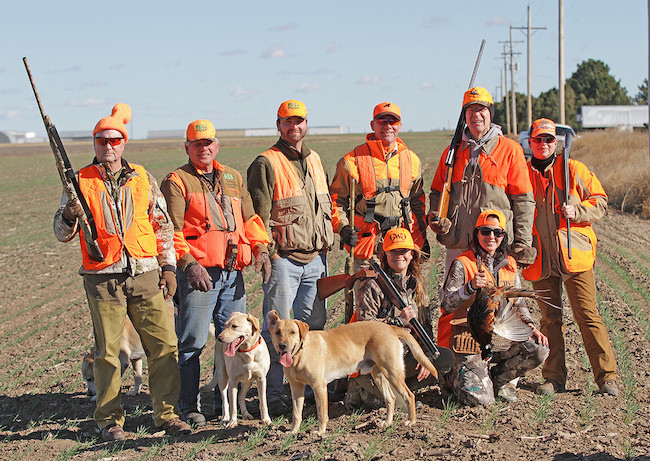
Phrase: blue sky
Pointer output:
(235, 62)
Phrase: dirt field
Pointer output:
(45, 329)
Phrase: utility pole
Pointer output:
(560, 98)
(505, 95)
(513, 98)
(530, 98)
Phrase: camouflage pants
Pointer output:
(474, 383)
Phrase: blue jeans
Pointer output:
(292, 286)
(195, 309)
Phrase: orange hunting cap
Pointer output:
(477, 95)
(201, 129)
(398, 238)
(543, 126)
(292, 108)
(120, 115)
(483, 217)
(387, 108)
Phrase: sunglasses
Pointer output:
(400, 251)
(387, 121)
(544, 139)
(112, 141)
(485, 231)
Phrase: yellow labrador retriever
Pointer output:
(318, 357)
(240, 356)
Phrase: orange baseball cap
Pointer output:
(543, 126)
(483, 217)
(398, 238)
(292, 108)
(477, 95)
(201, 129)
(387, 108)
(120, 116)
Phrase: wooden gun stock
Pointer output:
(327, 286)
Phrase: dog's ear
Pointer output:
(303, 328)
(272, 318)
(255, 322)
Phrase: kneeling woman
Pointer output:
(401, 262)
(471, 378)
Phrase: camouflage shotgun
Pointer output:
(567, 185)
(68, 178)
(443, 203)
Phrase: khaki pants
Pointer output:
(581, 290)
(110, 298)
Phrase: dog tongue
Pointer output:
(286, 359)
(232, 347)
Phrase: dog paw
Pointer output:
(231, 424)
(266, 421)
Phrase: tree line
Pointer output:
(590, 85)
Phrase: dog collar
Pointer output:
(257, 343)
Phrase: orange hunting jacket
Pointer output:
(499, 181)
(550, 229)
(366, 164)
(201, 228)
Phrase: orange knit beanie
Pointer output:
(116, 121)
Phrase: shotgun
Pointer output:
(567, 185)
(349, 260)
(68, 178)
(443, 202)
(327, 286)
(441, 357)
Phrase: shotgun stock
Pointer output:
(443, 202)
(68, 178)
(327, 286)
(567, 185)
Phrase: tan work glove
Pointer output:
(72, 210)
(168, 280)
(198, 277)
(524, 255)
(438, 225)
(263, 263)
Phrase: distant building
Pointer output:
(79, 135)
(18, 137)
(613, 116)
(173, 134)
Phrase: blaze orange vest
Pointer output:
(292, 228)
(583, 237)
(505, 276)
(139, 238)
(207, 243)
(366, 225)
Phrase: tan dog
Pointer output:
(131, 350)
(318, 357)
(240, 356)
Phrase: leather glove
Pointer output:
(349, 236)
(198, 277)
(72, 211)
(168, 280)
(438, 225)
(524, 255)
(263, 263)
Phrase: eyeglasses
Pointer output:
(112, 141)
(387, 121)
(544, 139)
(485, 231)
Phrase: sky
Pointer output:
(234, 62)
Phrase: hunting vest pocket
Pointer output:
(292, 230)
(583, 249)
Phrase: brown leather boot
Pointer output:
(113, 433)
(176, 427)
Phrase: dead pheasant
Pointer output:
(492, 313)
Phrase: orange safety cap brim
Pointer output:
(387, 108)
(483, 218)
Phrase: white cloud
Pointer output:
(283, 27)
(368, 80)
(434, 21)
(235, 52)
(332, 47)
(308, 87)
(86, 102)
(240, 93)
(426, 86)
(274, 52)
(9, 114)
(497, 21)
